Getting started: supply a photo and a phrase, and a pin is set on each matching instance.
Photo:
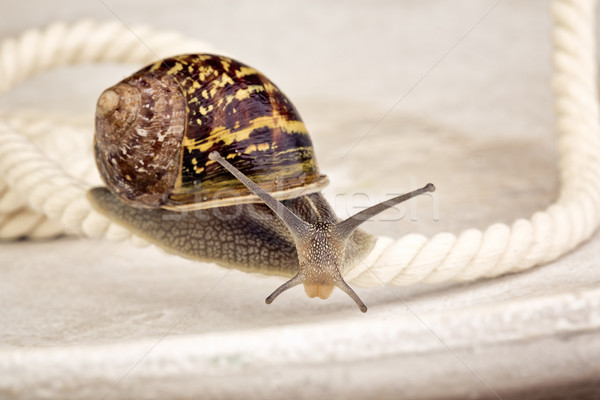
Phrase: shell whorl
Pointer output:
(139, 129)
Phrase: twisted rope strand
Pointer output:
(36, 191)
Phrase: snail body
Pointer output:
(208, 159)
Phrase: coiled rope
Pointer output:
(39, 198)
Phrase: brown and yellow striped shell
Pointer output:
(156, 128)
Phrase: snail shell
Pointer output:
(156, 128)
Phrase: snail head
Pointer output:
(320, 246)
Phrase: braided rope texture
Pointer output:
(38, 198)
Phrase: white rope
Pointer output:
(36, 191)
(39, 196)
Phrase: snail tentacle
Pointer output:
(295, 281)
(345, 228)
(297, 227)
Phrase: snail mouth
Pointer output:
(318, 290)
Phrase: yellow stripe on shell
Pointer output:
(245, 71)
(242, 94)
(156, 65)
(175, 69)
(257, 147)
(225, 80)
(205, 110)
(270, 88)
(194, 86)
(206, 70)
(263, 146)
(222, 134)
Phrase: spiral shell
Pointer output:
(156, 128)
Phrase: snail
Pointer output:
(206, 158)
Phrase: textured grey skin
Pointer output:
(248, 237)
